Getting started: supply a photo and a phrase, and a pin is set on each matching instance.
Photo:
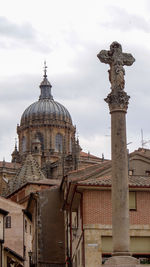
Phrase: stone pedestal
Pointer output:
(122, 261)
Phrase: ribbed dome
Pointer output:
(46, 109)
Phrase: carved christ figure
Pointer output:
(116, 59)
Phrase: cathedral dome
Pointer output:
(45, 109)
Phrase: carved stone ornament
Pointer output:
(120, 100)
(116, 59)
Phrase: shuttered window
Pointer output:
(132, 200)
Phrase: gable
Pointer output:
(140, 165)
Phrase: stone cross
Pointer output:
(116, 59)
(117, 100)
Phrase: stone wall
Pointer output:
(51, 240)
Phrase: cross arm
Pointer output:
(128, 59)
(104, 57)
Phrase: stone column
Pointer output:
(120, 195)
(118, 104)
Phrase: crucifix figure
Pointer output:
(116, 59)
(117, 100)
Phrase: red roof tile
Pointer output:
(84, 154)
(12, 165)
(134, 181)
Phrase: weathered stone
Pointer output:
(118, 104)
(116, 59)
(122, 261)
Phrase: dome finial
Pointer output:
(45, 70)
(45, 86)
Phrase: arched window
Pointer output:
(59, 142)
(70, 145)
(23, 144)
(41, 138)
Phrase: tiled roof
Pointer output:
(29, 172)
(11, 165)
(104, 180)
(134, 181)
(90, 171)
(141, 152)
(47, 182)
(84, 154)
(139, 181)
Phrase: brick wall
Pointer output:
(97, 208)
(142, 213)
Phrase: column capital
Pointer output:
(118, 101)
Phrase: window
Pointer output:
(30, 230)
(70, 145)
(132, 200)
(23, 144)
(41, 138)
(25, 225)
(8, 222)
(59, 142)
(74, 219)
(131, 172)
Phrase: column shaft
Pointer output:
(120, 195)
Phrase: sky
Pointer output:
(69, 34)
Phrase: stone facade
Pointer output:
(48, 224)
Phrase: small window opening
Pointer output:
(8, 222)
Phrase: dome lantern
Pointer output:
(45, 86)
(45, 108)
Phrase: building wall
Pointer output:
(97, 226)
(98, 242)
(97, 208)
(14, 235)
(27, 239)
(49, 133)
(51, 236)
(142, 213)
(22, 195)
(139, 166)
(77, 237)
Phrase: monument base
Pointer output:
(122, 261)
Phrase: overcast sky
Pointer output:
(69, 34)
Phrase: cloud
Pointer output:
(12, 30)
(97, 144)
(82, 92)
(124, 21)
(18, 35)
